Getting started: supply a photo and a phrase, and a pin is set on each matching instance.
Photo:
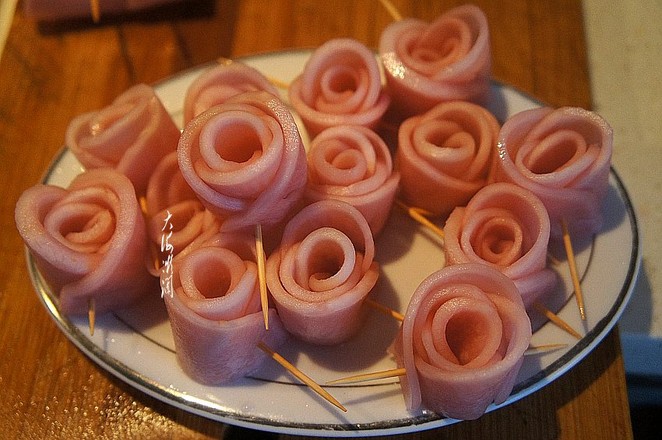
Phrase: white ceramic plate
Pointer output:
(136, 344)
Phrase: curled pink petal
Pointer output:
(221, 82)
(322, 272)
(214, 310)
(444, 155)
(449, 59)
(506, 227)
(131, 135)
(563, 156)
(462, 341)
(245, 161)
(88, 240)
(340, 85)
(166, 186)
(353, 164)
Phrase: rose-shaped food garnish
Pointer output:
(215, 313)
(221, 82)
(426, 64)
(131, 135)
(322, 272)
(88, 240)
(462, 341)
(353, 164)
(563, 156)
(245, 161)
(506, 227)
(340, 85)
(444, 155)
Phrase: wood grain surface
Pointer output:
(51, 72)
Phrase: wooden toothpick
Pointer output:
(301, 376)
(262, 275)
(375, 375)
(392, 10)
(421, 216)
(91, 314)
(95, 8)
(539, 349)
(397, 372)
(385, 310)
(567, 242)
(556, 319)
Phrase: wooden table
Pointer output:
(48, 74)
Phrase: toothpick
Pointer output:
(96, 10)
(392, 10)
(385, 310)
(262, 275)
(556, 319)
(539, 349)
(301, 376)
(375, 375)
(567, 242)
(91, 314)
(420, 215)
(278, 83)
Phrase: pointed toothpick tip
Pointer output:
(556, 319)
(262, 275)
(421, 216)
(385, 310)
(301, 376)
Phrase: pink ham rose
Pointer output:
(563, 156)
(353, 164)
(215, 313)
(462, 341)
(322, 272)
(131, 135)
(88, 240)
(506, 227)
(444, 155)
(340, 85)
(449, 59)
(176, 218)
(221, 82)
(245, 161)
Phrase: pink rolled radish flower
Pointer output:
(353, 164)
(563, 156)
(245, 161)
(176, 218)
(215, 313)
(462, 341)
(132, 135)
(221, 82)
(88, 240)
(340, 85)
(506, 227)
(322, 272)
(444, 155)
(428, 63)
